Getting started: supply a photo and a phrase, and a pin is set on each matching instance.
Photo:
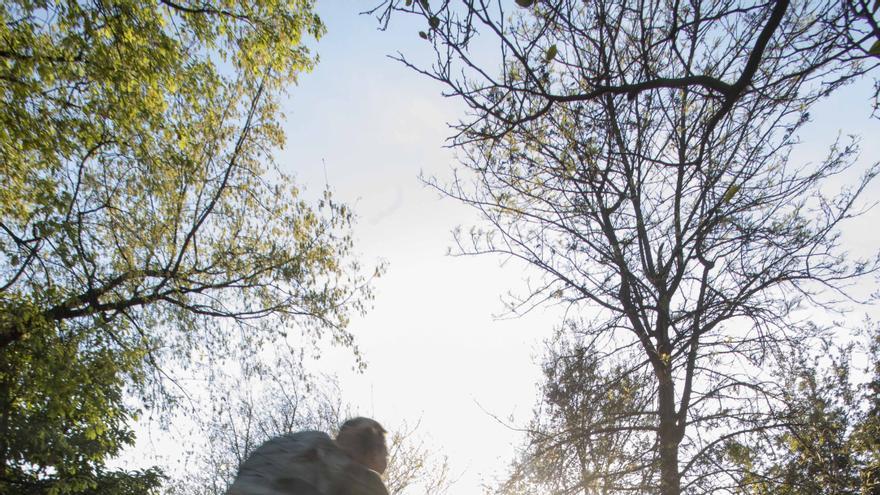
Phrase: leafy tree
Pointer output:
(865, 439)
(142, 218)
(830, 444)
(819, 458)
(637, 157)
(589, 428)
(587, 432)
(127, 483)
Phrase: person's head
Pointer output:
(364, 440)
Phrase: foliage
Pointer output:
(831, 443)
(637, 158)
(145, 482)
(65, 391)
(127, 483)
(865, 439)
(591, 428)
(142, 219)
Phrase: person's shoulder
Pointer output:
(294, 443)
(305, 436)
(283, 462)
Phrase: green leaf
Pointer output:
(551, 53)
(434, 22)
(126, 96)
(423, 35)
(875, 48)
(730, 193)
(529, 3)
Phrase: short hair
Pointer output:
(362, 436)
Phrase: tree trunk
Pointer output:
(668, 436)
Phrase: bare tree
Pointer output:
(637, 156)
(414, 466)
(246, 405)
(268, 401)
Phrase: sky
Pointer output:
(436, 356)
(368, 127)
(435, 353)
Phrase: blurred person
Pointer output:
(311, 463)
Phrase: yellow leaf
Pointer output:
(731, 192)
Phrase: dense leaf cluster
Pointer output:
(142, 218)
